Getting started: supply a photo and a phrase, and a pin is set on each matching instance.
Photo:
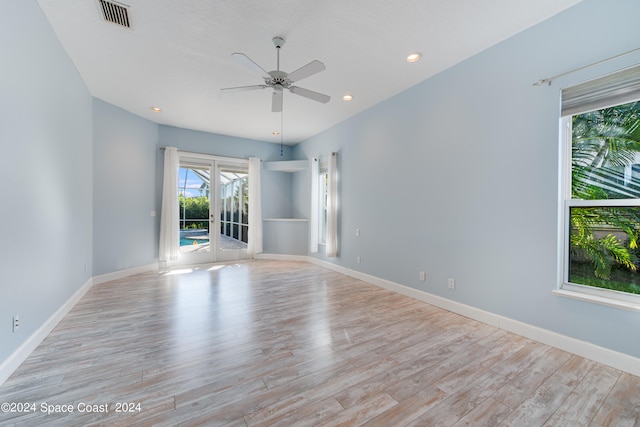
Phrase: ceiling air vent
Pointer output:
(115, 12)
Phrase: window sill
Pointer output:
(625, 305)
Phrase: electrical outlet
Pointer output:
(358, 259)
(16, 323)
(452, 284)
(423, 276)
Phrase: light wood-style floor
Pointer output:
(266, 343)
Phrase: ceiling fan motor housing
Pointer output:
(278, 78)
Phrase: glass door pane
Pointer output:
(233, 212)
(194, 191)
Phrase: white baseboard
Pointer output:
(120, 274)
(617, 360)
(9, 365)
(281, 257)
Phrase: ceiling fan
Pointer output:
(279, 80)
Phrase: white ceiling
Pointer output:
(177, 55)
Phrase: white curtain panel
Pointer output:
(254, 245)
(169, 217)
(332, 207)
(313, 218)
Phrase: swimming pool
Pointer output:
(193, 237)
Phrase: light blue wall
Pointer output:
(220, 145)
(284, 237)
(124, 195)
(458, 176)
(45, 174)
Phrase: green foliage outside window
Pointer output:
(605, 147)
(194, 211)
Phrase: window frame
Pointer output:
(609, 297)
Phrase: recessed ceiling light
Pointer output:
(275, 133)
(347, 97)
(156, 109)
(414, 57)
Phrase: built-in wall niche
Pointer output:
(283, 235)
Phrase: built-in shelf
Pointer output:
(286, 219)
(286, 165)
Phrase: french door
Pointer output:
(213, 200)
(232, 209)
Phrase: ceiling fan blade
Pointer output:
(247, 62)
(310, 69)
(276, 100)
(243, 88)
(310, 94)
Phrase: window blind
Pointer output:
(612, 89)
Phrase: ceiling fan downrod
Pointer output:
(278, 42)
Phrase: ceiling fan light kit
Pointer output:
(279, 80)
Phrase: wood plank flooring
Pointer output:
(266, 343)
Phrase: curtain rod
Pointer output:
(548, 80)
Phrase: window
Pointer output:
(323, 221)
(601, 200)
(322, 191)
